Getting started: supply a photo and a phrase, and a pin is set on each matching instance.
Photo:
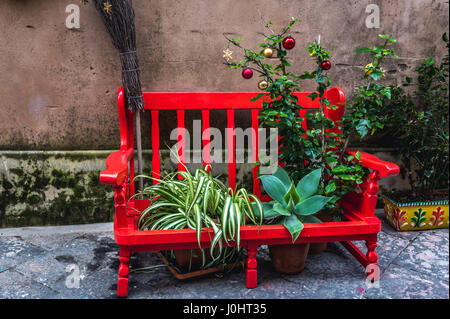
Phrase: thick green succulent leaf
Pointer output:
(308, 185)
(270, 214)
(274, 187)
(281, 210)
(268, 206)
(293, 225)
(309, 219)
(283, 176)
(292, 195)
(311, 205)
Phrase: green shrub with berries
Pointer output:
(321, 146)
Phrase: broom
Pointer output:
(118, 17)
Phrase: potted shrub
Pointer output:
(292, 206)
(322, 143)
(420, 125)
(181, 200)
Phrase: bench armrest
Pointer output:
(116, 171)
(370, 161)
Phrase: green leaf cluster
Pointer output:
(183, 200)
(365, 113)
(419, 123)
(321, 145)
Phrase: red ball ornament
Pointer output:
(325, 65)
(247, 73)
(288, 43)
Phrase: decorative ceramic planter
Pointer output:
(404, 216)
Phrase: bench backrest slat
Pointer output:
(156, 164)
(255, 156)
(206, 138)
(231, 148)
(212, 100)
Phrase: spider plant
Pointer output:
(293, 205)
(183, 200)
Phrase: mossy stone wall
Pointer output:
(40, 188)
(45, 188)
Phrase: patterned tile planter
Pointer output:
(405, 216)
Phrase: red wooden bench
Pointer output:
(359, 223)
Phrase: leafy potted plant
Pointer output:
(292, 206)
(323, 144)
(181, 200)
(420, 125)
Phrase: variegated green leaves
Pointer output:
(182, 200)
(293, 205)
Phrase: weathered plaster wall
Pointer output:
(57, 86)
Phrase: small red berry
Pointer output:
(247, 73)
(325, 65)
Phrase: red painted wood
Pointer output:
(211, 100)
(206, 138)
(304, 122)
(369, 196)
(156, 162)
(358, 254)
(384, 168)
(359, 222)
(251, 271)
(123, 121)
(124, 271)
(255, 155)
(181, 140)
(116, 168)
(231, 145)
(126, 125)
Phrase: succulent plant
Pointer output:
(293, 205)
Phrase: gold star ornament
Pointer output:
(227, 55)
(107, 7)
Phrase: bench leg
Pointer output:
(252, 272)
(124, 271)
(372, 269)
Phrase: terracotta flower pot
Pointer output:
(317, 248)
(289, 259)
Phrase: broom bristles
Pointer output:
(119, 23)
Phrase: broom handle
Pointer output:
(137, 117)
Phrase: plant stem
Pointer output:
(322, 182)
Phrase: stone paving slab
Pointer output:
(43, 262)
(398, 283)
(427, 254)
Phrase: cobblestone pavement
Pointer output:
(43, 262)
